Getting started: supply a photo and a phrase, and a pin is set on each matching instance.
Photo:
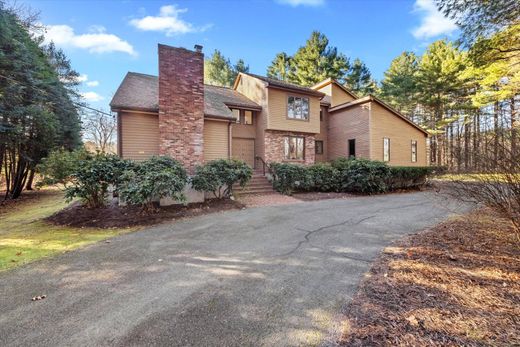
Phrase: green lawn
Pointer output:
(25, 237)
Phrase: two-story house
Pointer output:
(259, 120)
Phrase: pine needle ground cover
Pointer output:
(457, 284)
(25, 236)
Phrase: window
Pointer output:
(298, 108)
(352, 148)
(248, 117)
(236, 113)
(386, 149)
(321, 115)
(414, 151)
(318, 145)
(294, 148)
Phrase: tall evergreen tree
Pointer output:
(359, 79)
(399, 86)
(36, 109)
(317, 61)
(280, 67)
(438, 84)
(219, 71)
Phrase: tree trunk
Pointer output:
(30, 179)
(514, 129)
(496, 129)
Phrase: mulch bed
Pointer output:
(457, 284)
(115, 216)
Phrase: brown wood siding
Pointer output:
(216, 140)
(244, 131)
(139, 135)
(337, 95)
(256, 90)
(277, 110)
(384, 123)
(323, 136)
(351, 123)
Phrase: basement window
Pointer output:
(294, 148)
(298, 108)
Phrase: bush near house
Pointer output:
(59, 166)
(219, 176)
(153, 179)
(93, 176)
(288, 178)
(346, 175)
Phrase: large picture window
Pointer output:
(386, 149)
(294, 148)
(298, 108)
(414, 151)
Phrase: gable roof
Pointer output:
(278, 84)
(371, 98)
(141, 92)
(328, 81)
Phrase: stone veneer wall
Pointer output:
(274, 147)
(181, 105)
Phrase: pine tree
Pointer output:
(280, 67)
(359, 79)
(399, 86)
(317, 61)
(218, 70)
(37, 110)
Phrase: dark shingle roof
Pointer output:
(272, 82)
(141, 92)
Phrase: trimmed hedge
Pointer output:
(405, 177)
(346, 175)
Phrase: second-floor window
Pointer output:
(298, 108)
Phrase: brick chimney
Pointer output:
(181, 105)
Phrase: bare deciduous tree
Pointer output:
(100, 128)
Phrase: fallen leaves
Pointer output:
(455, 284)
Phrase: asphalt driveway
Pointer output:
(268, 276)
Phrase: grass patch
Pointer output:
(457, 284)
(25, 237)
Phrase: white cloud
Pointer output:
(168, 21)
(295, 3)
(92, 96)
(433, 22)
(82, 78)
(95, 41)
(93, 83)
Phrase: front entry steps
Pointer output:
(258, 184)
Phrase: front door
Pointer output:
(244, 149)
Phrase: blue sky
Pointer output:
(105, 39)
